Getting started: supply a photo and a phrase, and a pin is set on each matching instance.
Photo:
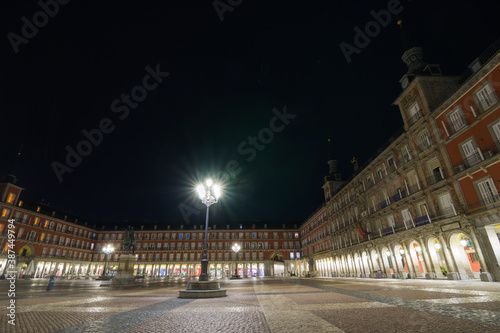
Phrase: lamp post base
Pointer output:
(204, 271)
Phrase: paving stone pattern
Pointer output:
(257, 305)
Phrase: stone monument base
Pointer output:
(202, 289)
(125, 274)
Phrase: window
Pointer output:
(425, 140)
(487, 191)
(413, 183)
(470, 154)
(415, 113)
(11, 198)
(435, 169)
(390, 221)
(486, 96)
(457, 120)
(291, 255)
(406, 216)
(446, 204)
(391, 163)
(496, 131)
(405, 152)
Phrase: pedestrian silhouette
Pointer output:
(52, 281)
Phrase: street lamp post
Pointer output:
(107, 249)
(209, 194)
(236, 249)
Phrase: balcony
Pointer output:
(412, 189)
(407, 157)
(426, 143)
(413, 119)
(398, 196)
(477, 157)
(393, 167)
(486, 101)
(422, 220)
(486, 203)
(458, 123)
(433, 179)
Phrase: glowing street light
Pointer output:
(236, 249)
(209, 195)
(107, 249)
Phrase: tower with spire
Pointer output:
(413, 57)
(9, 191)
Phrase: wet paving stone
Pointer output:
(258, 305)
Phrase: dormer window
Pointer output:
(415, 113)
(10, 198)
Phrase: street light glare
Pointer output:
(201, 190)
(209, 182)
(216, 190)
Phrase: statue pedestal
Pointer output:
(125, 274)
(202, 289)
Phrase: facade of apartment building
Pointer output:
(426, 205)
(47, 242)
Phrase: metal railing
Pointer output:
(457, 124)
(485, 203)
(399, 195)
(433, 179)
(413, 119)
(426, 143)
(486, 102)
(412, 189)
(407, 157)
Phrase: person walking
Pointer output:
(52, 281)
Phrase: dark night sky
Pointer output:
(225, 79)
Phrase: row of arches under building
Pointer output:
(455, 256)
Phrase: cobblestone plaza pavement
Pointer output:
(257, 305)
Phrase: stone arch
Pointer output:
(366, 263)
(356, 263)
(417, 257)
(436, 254)
(399, 260)
(464, 253)
(26, 251)
(377, 262)
(350, 266)
(387, 261)
(277, 256)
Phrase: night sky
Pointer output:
(224, 79)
